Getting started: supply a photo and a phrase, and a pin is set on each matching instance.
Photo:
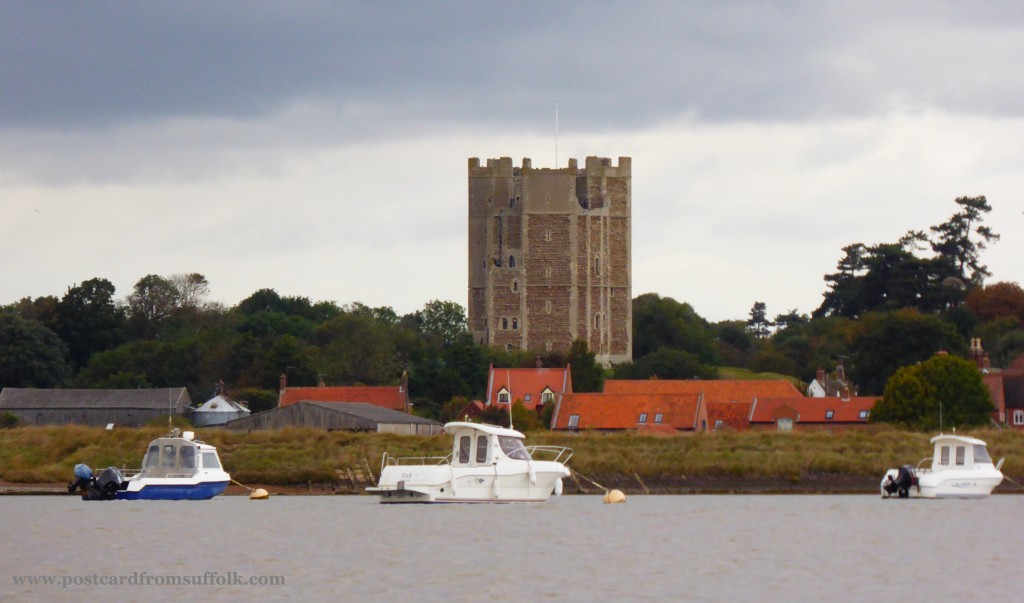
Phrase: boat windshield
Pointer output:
(210, 460)
(513, 448)
(981, 454)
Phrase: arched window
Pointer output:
(597, 321)
(547, 306)
(511, 261)
(504, 324)
(597, 265)
(515, 323)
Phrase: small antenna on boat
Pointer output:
(170, 408)
(508, 379)
(940, 417)
(556, 134)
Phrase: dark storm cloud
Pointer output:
(416, 64)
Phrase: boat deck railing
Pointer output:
(413, 460)
(557, 454)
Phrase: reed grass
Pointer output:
(295, 456)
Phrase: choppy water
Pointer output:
(652, 548)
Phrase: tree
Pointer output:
(446, 319)
(758, 322)
(961, 238)
(943, 385)
(884, 342)
(89, 321)
(150, 303)
(998, 300)
(666, 363)
(30, 354)
(662, 322)
(191, 288)
(587, 374)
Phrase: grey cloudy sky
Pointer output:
(319, 148)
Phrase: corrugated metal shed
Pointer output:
(126, 407)
(349, 416)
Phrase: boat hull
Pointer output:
(173, 491)
(947, 484)
(445, 484)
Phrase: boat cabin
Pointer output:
(476, 444)
(178, 457)
(958, 452)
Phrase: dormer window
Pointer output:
(864, 414)
(547, 396)
(503, 396)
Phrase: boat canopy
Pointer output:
(451, 428)
(168, 457)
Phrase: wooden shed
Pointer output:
(100, 407)
(348, 416)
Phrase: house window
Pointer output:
(658, 417)
(960, 454)
(864, 414)
(515, 323)
(718, 424)
(643, 418)
(829, 414)
(574, 421)
(1018, 417)
(526, 398)
(503, 397)
(785, 424)
(547, 397)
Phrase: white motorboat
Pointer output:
(960, 468)
(176, 467)
(487, 464)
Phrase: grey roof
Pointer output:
(372, 412)
(152, 399)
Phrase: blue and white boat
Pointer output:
(176, 467)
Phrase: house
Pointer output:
(391, 397)
(218, 410)
(664, 413)
(831, 386)
(100, 407)
(534, 387)
(800, 413)
(347, 416)
(729, 416)
(714, 390)
(1006, 386)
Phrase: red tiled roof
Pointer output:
(733, 415)
(388, 397)
(622, 411)
(527, 383)
(812, 410)
(716, 390)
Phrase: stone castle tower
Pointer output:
(550, 256)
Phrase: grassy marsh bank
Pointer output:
(301, 456)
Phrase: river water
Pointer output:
(652, 548)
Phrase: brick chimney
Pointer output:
(282, 386)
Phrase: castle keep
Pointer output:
(549, 256)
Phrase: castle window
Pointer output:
(511, 261)
(504, 324)
(547, 271)
(597, 321)
(547, 306)
(515, 285)
(547, 235)
(515, 323)
(597, 265)
(548, 346)
(508, 347)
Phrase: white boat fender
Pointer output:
(614, 496)
(533, 476)
(558, 487)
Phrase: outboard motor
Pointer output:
(106, 484)
(83, 478)
(905, 480)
